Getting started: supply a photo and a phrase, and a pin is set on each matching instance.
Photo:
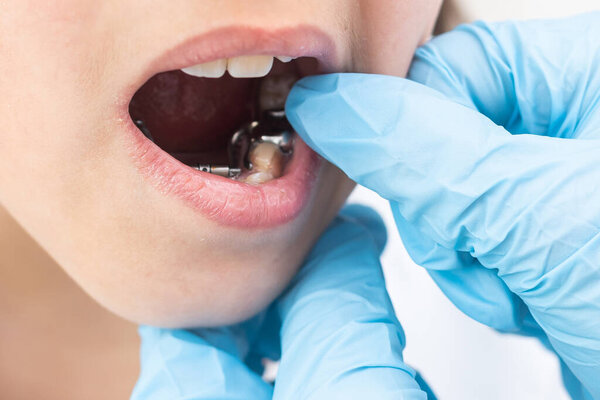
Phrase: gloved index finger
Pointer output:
(537, 77)
(462, 180)
(396, 137)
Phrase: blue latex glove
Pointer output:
(508, 225)
(340, 338)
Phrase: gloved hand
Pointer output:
(493, 178)
(340, 338)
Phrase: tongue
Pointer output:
(185, 114)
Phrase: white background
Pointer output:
(460, 358)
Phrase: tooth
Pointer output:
(213, 69)
(266, 157)
(274, 89)
(249, 66)
(285, 59)
(258, 177)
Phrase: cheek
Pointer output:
(48, 91)
(392, 30)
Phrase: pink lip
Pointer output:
(224, 200)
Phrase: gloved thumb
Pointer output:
(450, 171)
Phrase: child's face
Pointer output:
(147, 236)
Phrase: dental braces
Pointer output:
(272, 127)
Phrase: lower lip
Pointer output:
(227, 201)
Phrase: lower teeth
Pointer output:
(266, 160)
(256, 178)
(261, 150)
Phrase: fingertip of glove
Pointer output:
(319, 83)
(307, 89)
(298, 107)
(368, 219)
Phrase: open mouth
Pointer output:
(211, 129)
(225, 117)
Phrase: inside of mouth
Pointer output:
(194, 118)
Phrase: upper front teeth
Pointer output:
(249, 66)
(213, 69)
(284, 59)
(238, 67)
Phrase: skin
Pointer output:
(56, 343)
(67, 179)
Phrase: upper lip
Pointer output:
(216, 197)
(231, 41)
